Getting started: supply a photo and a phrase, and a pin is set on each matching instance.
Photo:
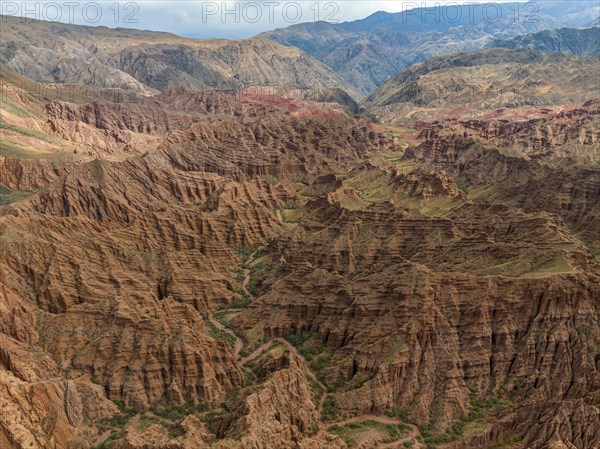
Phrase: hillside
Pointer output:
(145, 61)
(206, 270)
(574, 41)
(365, 53)
(492, 78)
(183, 267)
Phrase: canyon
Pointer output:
(184, 267)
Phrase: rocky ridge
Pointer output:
(491, 79)
(145, 62)
(257, 270)
(368, 52)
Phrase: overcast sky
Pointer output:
(204, 19)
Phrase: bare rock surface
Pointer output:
(193, 271)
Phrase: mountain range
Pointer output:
(148, 61)
(366, 53)
(492, 78)
(389, 238)
(575, 41)
(357, 56)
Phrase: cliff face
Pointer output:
(110, 269)
(192, 270)
(553, 157)
(412, 330)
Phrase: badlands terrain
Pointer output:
(328, 265)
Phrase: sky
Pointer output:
(207, 19)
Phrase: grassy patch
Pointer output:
(115, 421)
(18, 151)
(245, 252)
(218, 334)
(462, 185)
(305, 347)
(467, 425)
(352, 432)
(252, 286)
(249, 349)
(318, 364)
(241, 300)
(210, 416)
(29, 133)
(276, 349)
(110, 441)
(291, 216)
(147, 420)
(226, 317)
(239, 275)
(297, 339)
(8, 196)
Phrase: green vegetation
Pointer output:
(301, 341)
(148, 420)
(288, 218)
(248, 349)
(249, 377)
(209, 416)
(462, 185)
(217, 333)
(116, 423)
(318, 364)
(226, 317)
(245, 252)
(257, 266)
(583, 329)
(96, 170)
(352, 431)
(252, 286)
(255, 364)
(8, 196)
(18, 151)
(29, 132)
(297, 339)
(108, 443)
(457, 429)
(403, 413)
(241, 300)
(239, 275)
(330, 410)
(317, 390)
(121, 419)
(172, 412)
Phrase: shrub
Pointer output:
(173, 412)
(330, 410)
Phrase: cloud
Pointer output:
(205, 19)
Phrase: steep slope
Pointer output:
(492, 78)
(145, 61)
(575, 41)
(367, 52)
(140, 249)
(203, 270)
(407, 279)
